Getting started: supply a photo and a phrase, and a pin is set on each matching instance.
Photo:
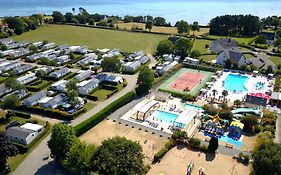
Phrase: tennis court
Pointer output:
(186, 81)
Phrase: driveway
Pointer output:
(261, 60)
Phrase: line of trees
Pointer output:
(271, 21)
(235, 25)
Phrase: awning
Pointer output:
(255, 71)
(144, 107)
(213, 76)
(209, 83)
(186, 117)
(203, 90)
(270, 75)
(260, 95)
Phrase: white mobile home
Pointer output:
(60, 73)
(27, 78)
(82, 76)
(9, 65)
(59, 86)
(131, 67)
(86, 87)
(34, 99)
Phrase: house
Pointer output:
(63, 59)
(9, 65)
(38, 44)
(79, 49)
(137, 53)
(34, 99)
(64, 49)
(232, 54)
(221, 44)
(23, 68)
(60, 73)
(191, 60)
(59, 86)
(103, 51)
(45, 69)
(52, 102)
(48, 46)
(86, 87)
(18, 93)
(25, 133)
(82, 76)
(112, 53)
(275, 99)
(168, 57)
(6, 52)
(18, 53)
(51, 57)
(4, 90)
(27, 78)
(106, 78)
(143, 59)
(85, 61)
(161, 70)
(131, 67)
(270, 37)
(256, 100)
(6, 41)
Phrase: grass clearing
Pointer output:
(244, 40)
(208, 58)
(94, 38)
(276, 60)
(89, 106)
(248, 56)
(101, 94)
(199, 44)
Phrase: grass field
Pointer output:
(244, 40)
(248, 56)
(276, 60)
(94, 38)
(168, 30)
(208, 57)
(199, 44)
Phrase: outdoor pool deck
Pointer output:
(192, 79)
(249, 85)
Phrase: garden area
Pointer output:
(201, 45)
(276, 60)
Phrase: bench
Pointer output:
(229, 146)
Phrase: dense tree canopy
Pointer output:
(165, 47)
(15, 23)
(235, 25)
(149, 25)
(195, 54)
(213, 145)
(159, 21)
(62, 138)
(182, 47)
(195, 27)
(146, 77)
(118, 156)
(182, 26)
(249, 121)
(58, 17)
(260, 39)
(7, 149)
(111, 64)
(10, 102)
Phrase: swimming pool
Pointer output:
(165, 116)
(234, 82)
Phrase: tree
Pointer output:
(182, 47)
(91, 21)
(195, 27)
(249, 121)
(195, 54)
(149, 25)
(165, 47)
(10, 102)
(269, 69)
(182, 27)
(237, 103)
(69, 17)
(79, 157)
(267, 159)
(7, 149)
(12, 83)
(145, 77)
(277, 43)
(72, 85)
(224, 94)
(213, 145)
(226, 114)
(118, 156)
(111, 64)
(72, 97)
(16, 24)
(73, 10)
(33, 48)
(214, 91)
(58, 17)
(40, 74)
(159, 21)
(44, 42)
(260, 39)
(3, 47)
(62, 138)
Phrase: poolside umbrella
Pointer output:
(213, 76)
(255, 71)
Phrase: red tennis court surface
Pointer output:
(188, 80)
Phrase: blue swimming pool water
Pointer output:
(227, 139)
(234, 82)
(192, 106)
(165, 116)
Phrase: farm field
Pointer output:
(94, 38)
(168, 30)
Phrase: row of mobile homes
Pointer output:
(23, 68)
(27, 78)
(9, 65)
(52, 102)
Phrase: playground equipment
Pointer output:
(189, 168)
(213, 126)
(235, 130)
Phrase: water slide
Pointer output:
(253, 111)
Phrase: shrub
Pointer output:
(226, 114)
(157, 157)
(146, 168)
(98, 117)
(203, 148)
(93, 98)
(23, 115)
(194, 143)
(178, 135)
(169, 145)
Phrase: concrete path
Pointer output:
(278, 130)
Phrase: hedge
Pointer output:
(109, 87)
(200, 67)
(111, 93)
(98, 117)
(24, 148)
(168, 145)
(93, 98)
(23, 115)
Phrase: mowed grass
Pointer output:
(244, 40)
(168, 30)
(276, 60)
(199, 44)
(248, 56)
(208, 58)
(94, 38)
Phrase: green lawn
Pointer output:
(276, 60)
(101, 94)
(208, 57)
(94, 38)
(199, 44)
(89, 106)
(248, 56)
(244, 40)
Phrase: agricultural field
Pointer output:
(94, 38)
(168, 30)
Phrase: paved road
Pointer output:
(278, 130)
(34, 163)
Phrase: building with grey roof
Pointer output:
(221, 44)
(60, 73)
(86, 87)
(54, 102)
(34, 99)
(233, 54)
(23, 68)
